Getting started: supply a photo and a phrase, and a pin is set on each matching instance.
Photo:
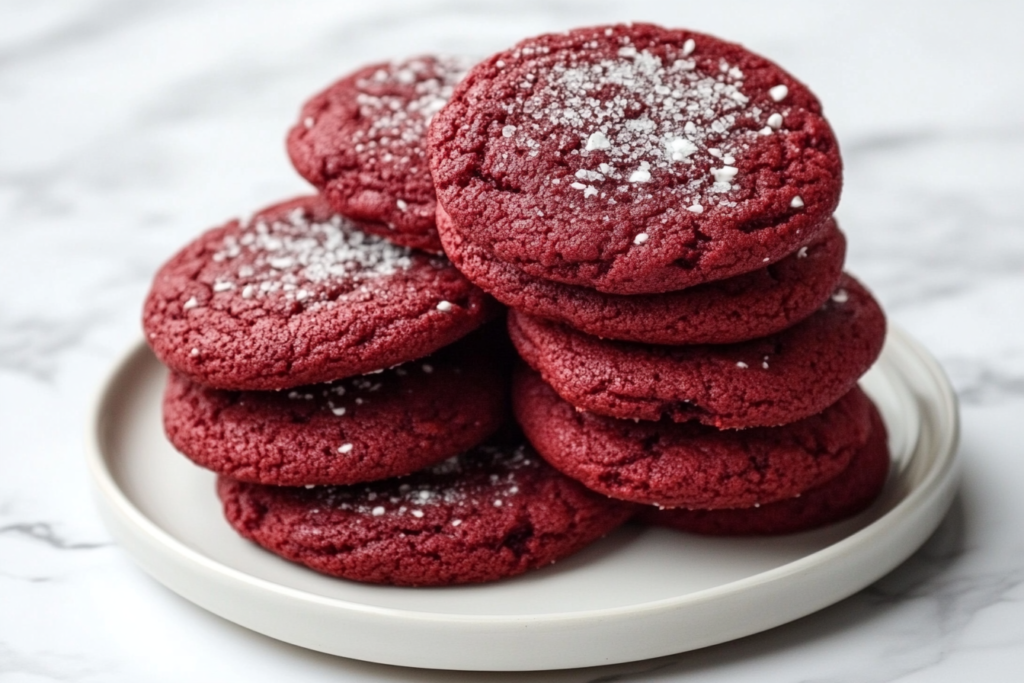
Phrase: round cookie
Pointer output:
(853, 490)
(298, 295)
(491, 513)
(358, 429)
(742, 307)
(689, 465)
(769, 381)
(634, 159)
(361, 142)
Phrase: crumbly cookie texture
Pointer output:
(494, 512)
(762, 382)
(364, 428)
(850, 492)
(690, 465)
(739, 308)
(299, 295)
(634, 159)
(362, 143)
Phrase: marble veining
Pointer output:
(126, 127)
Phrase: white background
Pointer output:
(128, 127)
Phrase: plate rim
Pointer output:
(940, 478)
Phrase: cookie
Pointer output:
(354, 430)
(769, 381)
(491, 513)
(361, 142)
(689, 465)
(297, 295)
(847, 494)
(634, 159)
(742, 307)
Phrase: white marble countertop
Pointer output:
(127, 127)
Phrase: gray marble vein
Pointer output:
(45, 533)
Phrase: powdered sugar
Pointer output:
(343, 396)
(398, 101)
(486, 476)
(304, 261)
(642, 117)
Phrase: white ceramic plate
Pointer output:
(637, 594)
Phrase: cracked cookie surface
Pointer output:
(362, 143)
(742, 307)
(634, 159)
(845, 495)
(299, 295)
(768, 381)
(493, 512)
(689, 465)
(363, 428)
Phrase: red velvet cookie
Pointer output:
(689, 465)
(358, 429)
(298, 296)
(742, 307)
(493, 512)
(634, 159)
(853, 490)
(762, 382)
(362, 143)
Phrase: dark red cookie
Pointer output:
(850, 492)
(358, 429)
(494, 512)
(762, 382)
(689, 465)
(742, 307)
(299, 296)
(362, 143)
(634, 159)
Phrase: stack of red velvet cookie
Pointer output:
(655, 206)
(336, 379)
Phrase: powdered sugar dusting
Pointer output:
(343, 397)
(398, 101)
(304, 261)
(642, 117)
(485, 476)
